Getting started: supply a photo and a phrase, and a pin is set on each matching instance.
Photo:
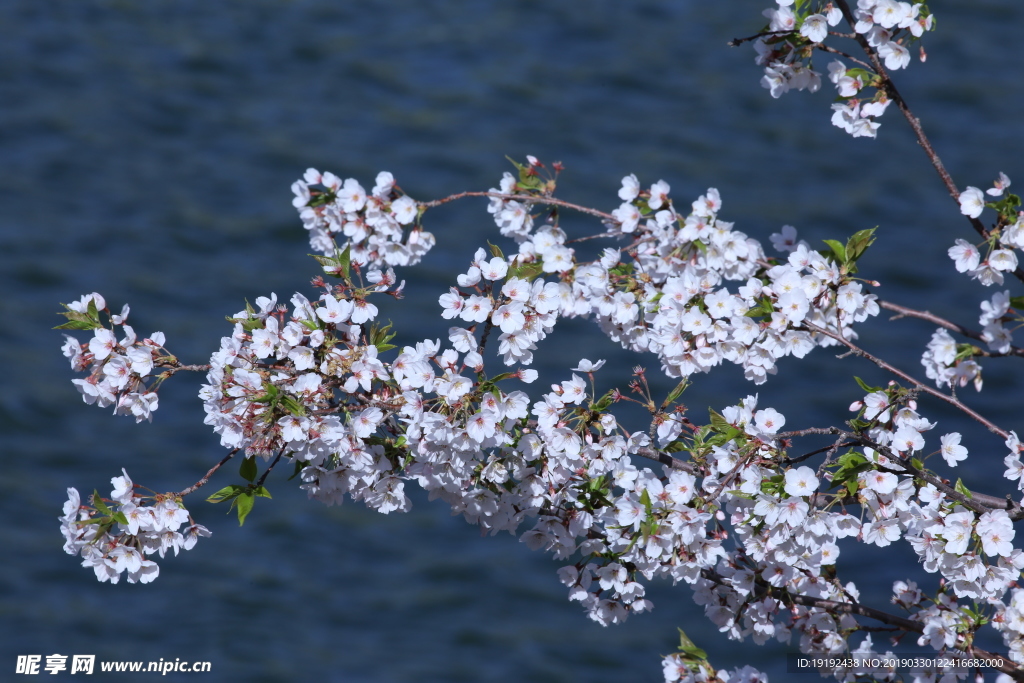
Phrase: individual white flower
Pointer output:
(1003, 259)
(334, 310)
(123, 488)
(972, 202)
(965, 255)
(951, 450)
(814, 28)
(495, 269)
(404, 209)
(999, 186)
(801, 481)
(630, 189)
(586, 366)
(769, 420)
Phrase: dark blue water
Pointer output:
(147, 153)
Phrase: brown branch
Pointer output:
(666, 459)
(952, 400)
(857, 609)
(202, 482)
(903, 311)
(533, 199)
(915, 123)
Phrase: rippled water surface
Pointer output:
(148, 149)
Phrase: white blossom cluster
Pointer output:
(117, 368)
(116, 536)
(793, 32)
(312, 383)
(372, 225)
(1000, 257)
(680, 310)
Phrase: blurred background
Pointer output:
(148, 149)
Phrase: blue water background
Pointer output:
(148, 149)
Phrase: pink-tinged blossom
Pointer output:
(659, 195)
(495, 269)
(999, 186)
(365, 423)
(102, 344)
(996, 531)
(769, 420)
(334, 311)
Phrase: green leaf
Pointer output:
(245, 502)
(838, 250)
(495, 250)
(676, 393)
(1017, 301)
(604, 402)
(120, 518)
(858, 244)
(338, 265)
(380, 336)
(718, 423)
(963, 489)
(248, 470)
(290, 404)
(690, 648)
(863, 385)
(262, 492)
(526, 271)
(78, 320)
(98, 503)
(78, 325)
(645, 500)
(226, 493)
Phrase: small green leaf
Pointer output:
(604, 402)
(690, 648)
(245, 502)
(495, 250)
(676, 393)
(78, 325)
(645, 500)
(226, 493)
(248, 470)
(838, 250)
(718, 423)
(290, 404)
(863, 385)
(98, 503)
(1017, 301)
(963, 489)
(525, 271)
(858, 244)
(262, 492)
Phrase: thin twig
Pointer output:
(533, 199)
(952, 400)
(833, 606)
(915, 124)
(206, 477)
(903, 311)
